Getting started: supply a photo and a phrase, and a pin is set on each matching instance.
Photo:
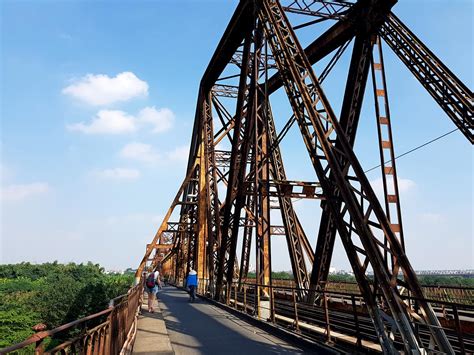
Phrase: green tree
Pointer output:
(53, 294)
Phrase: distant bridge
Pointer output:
(465, 273)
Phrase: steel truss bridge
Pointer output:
(224, 204)
(221, 212)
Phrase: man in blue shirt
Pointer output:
(191, 283)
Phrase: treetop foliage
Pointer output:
(54, 294)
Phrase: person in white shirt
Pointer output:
(152, 282)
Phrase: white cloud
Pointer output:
(107, 122)
(161, 119)
(99, 90)
(146, 153)
(117, 174)
(141, 152)
(117, 122)
(21, 192)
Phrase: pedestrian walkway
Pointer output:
(152, 336)
(202, 328)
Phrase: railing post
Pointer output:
(459, 329)
(102, 338)
(39, 348)
(295, 307)
(326, 315)
(227, 290)
(356, 320)
(245, 298)
(83, 341)
(109, 335)
(272, 295)
(121, 330)
(88, 345)
(235, 296)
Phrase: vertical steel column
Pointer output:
(235, 195)
(261, 176)
(249, 227)
(384, 130)
(295, 236)
(262, 210)
(211, 193)
(190, 214)
(350, 113)
(202, 235)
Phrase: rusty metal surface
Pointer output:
(452, 95)
(238, 186)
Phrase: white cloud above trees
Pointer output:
(107, 122)
(100, 89)
(161, 119)
(120, 122)
(146, 153)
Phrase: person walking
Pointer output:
(151, 287)
(191, 283)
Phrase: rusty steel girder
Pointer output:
(320, 130)
(236, 174)
(447, 90)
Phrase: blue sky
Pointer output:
(98, 102)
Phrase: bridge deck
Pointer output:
(152, 336)
(201, 328)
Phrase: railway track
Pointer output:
(359, 327)
(350, 327)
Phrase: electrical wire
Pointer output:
(412, 150)
(406, 153)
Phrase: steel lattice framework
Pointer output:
(227, 196)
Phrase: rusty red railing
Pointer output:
(111, 331)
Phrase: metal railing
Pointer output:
(453, 294)
(111, 331)
(340, 317)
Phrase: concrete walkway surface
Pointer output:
(202, 328)
(152, 336)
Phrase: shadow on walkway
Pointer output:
(152, 336)
(201, 328)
